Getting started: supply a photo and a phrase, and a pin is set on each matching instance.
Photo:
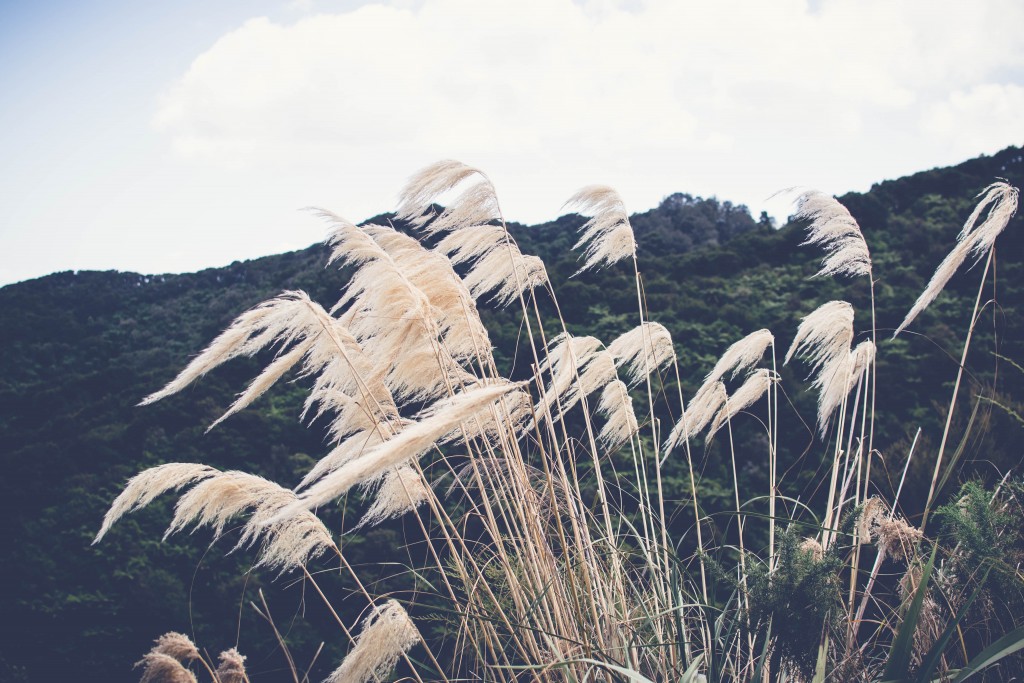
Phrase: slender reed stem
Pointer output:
(956, 389)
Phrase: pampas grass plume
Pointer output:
(1000, 199)
(616, 405)
(164, 662)
(387, 634)
(644, 349)
(751, 390)
(741, 355)
(161, 668)
(832, 227)
(607, 237)
(231, 668)
(145, 486)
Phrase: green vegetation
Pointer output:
(79, 350)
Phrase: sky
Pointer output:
(172, 136)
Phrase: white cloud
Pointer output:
(336, 102)
(982, 117)
(727, 97)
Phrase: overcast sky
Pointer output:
(172, 136)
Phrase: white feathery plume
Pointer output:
(567, 350)
(741, 355)
(469, 244)
(824, 338)
(408, 444)
(322, 343)
(598, 372)
(824, 334)
(703, 406)
(236, 340)
(616, 405)
(145, 486)
(499, 263)
(861, 358)
(607, 237)
(387, 634)
(285, 541)
(832, 227)
(757, 384)
(266, 379)
(493, 253)
(510, 415)
(353, 446)
(350, 415)
(1000, 199)
(507, 272)
(459, 321)
(476, 205)
(401, 490)
(838, 377)
(642, 350)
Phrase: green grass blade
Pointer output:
(903, 645)
(1005, 646)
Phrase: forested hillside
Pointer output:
(79, 350)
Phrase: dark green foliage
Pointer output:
(986, 528)
(800, 599)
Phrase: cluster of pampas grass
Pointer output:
(570, 572)
(168, 660)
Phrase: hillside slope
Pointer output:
(79, 350)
